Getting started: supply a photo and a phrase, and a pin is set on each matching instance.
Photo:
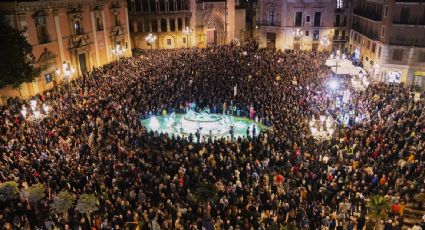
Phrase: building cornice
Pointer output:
(56, 4)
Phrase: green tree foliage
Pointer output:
(206, 192)
(62, 203)
(8, 190)
(34, 193)
(87, 203)
(378, 208)
(16, 59)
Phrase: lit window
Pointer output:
(339, 4)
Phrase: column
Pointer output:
(105, 35)
(96, 45)
(150, 25)
(59, 36)
(127, 30)
(142, 20)
(168, 24)
(176, 25)
(183, 22)
(158, 24)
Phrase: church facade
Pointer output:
(184, 23)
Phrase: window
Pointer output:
(382, 31)
(373, 47)
(42, 34)
(316, 35)
(172, 24)
(379, 51)
(271, 17)
(116, 20)
(307, 19)
(386, 11)
(187, 21)
(48, 78)
(77, 28)
(337, 19)
(99, 24)
(307, 33)
(421, 57)
(163, 25)
(397, 54)
(168, 42)
(180, 24)
(184, 40)
(154, 24)
(317, 18)
(298, 18)
(339, 4)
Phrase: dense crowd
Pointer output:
(92, 141)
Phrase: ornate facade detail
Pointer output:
(117, 31)
(77, 41)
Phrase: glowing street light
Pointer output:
(187, 31)
(119, 51)
(67, 71)
(333, 84)
(298, 34)
(150, 39)
(325, 41)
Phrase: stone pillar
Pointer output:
(105, 36)
(127, 25)
(143, 24)
(168, 24)
(96, 45)
(150, 25)
(176, 25)
(59, 36)
(158, 24)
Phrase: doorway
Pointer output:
(83, 64)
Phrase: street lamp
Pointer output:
(325, 41)
(119, 51)
(150, 39)
(298, 34)
(67, 71)
(36, 114)
(187, 31)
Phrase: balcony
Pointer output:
(409, 1)
(268, 23)
(374, 16)
(401, 21)
(340, 24)
(339, 10)
(407, 42)
(368, 33)
(340, 38)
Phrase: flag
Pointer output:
(235, 90)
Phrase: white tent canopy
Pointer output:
(344, 67)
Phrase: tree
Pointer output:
(8, 190)
(16, 59)
(378, 209)
(62, 203)
(206, 193)
(87, 204)
(34, 194)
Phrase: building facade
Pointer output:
(184, 23)
(69, 37)
(304, 24)
(388, 38)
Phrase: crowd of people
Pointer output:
(92, 141)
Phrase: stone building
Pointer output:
(69, 37)
(303, 24)
(185, 23)
(388, 38)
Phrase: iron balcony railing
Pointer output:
(368, 14)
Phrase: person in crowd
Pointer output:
(92, 141)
